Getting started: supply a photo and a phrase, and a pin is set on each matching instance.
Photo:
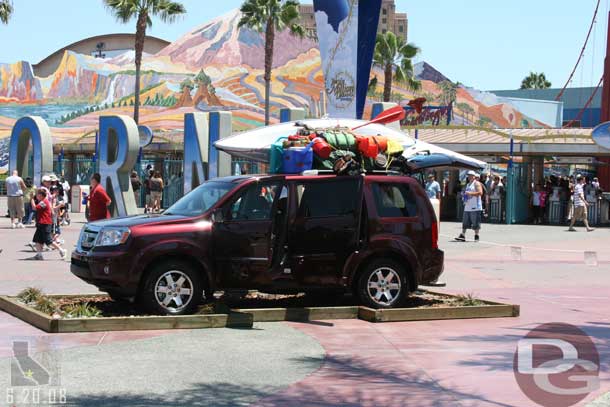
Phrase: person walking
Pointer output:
(135, 185)
(28, 195)
(44, 225)
(580, 205)
(473, 207)
(156, 191)
(15, 188)
(433, 188)
(98, 200)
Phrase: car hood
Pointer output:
(137, 220)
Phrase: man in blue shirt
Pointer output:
(433, 188)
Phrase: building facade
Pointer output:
(389, 20)
(574, 99)
(104, 46)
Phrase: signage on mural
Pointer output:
(342, 89)
(120, 139)
(346, 37)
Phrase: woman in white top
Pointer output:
(473, 207)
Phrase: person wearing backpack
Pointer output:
(156, 191)
(136, 185)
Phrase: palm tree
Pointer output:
(271, 16)
(448, 92)
(6, 9)
(535, 81)
(394, 56)
(143, 11)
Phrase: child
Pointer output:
(538, 203)
(44, 224)
(58, 206)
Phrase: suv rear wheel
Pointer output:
(383, 284)
(173, 288)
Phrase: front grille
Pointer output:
(87, 238)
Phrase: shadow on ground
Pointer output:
(354, 383)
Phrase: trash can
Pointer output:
(76, 193)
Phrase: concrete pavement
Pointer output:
(428, 363)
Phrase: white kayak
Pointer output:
(255, 144)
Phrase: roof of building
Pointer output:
(572, 98)
(461, 134)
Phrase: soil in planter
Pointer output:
(223, 303)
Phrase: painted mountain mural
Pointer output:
(214, 66)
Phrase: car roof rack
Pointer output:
(371, 172)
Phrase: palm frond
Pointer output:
(168, 11)
(123, 10)
(6, 10)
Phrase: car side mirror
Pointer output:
(218, 216)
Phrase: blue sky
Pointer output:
(482, 43)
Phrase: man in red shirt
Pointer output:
(44, 223)
(98, 200)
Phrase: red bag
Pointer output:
(321, 148)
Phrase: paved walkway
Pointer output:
(432, 363)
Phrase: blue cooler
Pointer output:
(298, 159)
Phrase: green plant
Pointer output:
(393, 55)
(468, 300)
(535, 81)
(30, 294)
(269, 16)
(81, 310)
(45, 305)
(6, 9)
(143, 11)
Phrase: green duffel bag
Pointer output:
(341, 141)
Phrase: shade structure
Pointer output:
(255, 144)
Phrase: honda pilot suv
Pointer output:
(374, 235)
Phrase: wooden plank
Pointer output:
(27, 314)
(155, 322)
(367, 314)
(299, 314)
(422, 314)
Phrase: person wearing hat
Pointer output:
(433, 188)
(580, 205)
(473, 207)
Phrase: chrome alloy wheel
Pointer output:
(383, 286)
(174, 291)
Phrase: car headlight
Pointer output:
(112, 236)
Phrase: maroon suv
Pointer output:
(375, 235)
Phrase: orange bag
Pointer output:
(367, 146)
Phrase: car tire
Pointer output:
(173, 287)
(383, 283)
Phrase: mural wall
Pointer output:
(216, 66)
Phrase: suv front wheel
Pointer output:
(173, 288)
(383, 284)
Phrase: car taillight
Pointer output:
(434, 235)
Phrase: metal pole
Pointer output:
(605, 113)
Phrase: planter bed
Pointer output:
(242, 312)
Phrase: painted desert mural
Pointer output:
(216, 66)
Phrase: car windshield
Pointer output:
(200, 199)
